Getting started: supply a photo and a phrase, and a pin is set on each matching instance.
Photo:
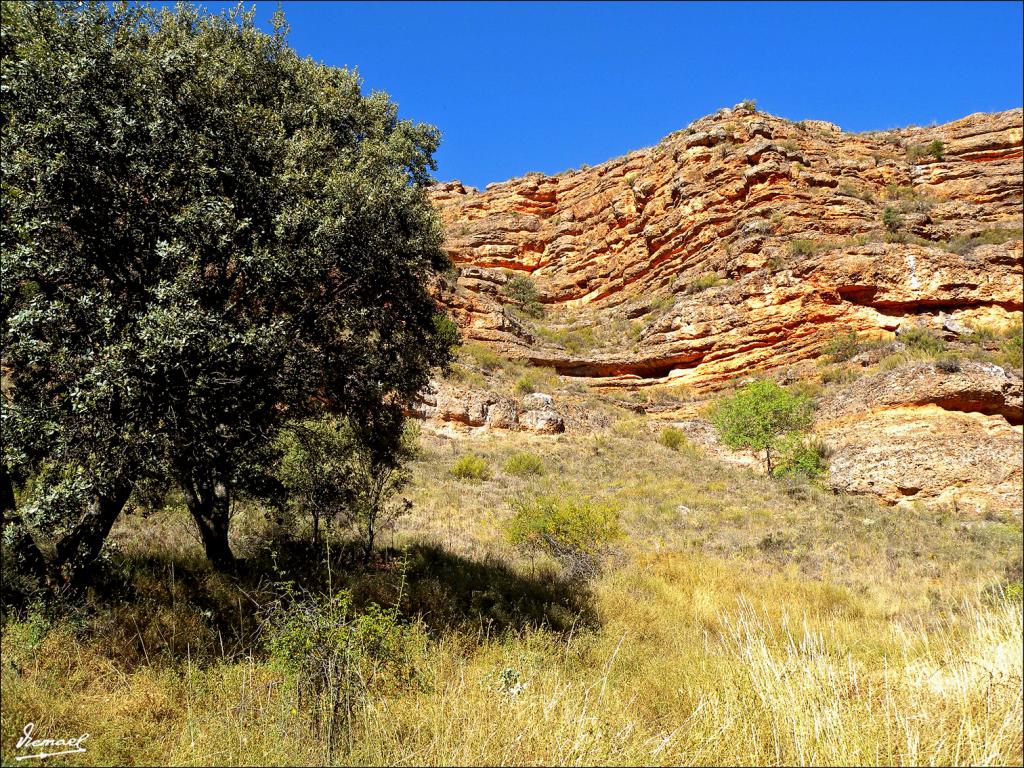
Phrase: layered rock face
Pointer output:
(948, 434)
(742, 244)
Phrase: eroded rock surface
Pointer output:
(447, 404)
(786, 217)
(739, 247)
(922, 433)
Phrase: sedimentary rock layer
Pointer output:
(742, 243)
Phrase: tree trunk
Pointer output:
(768, 458)
(28, 560)
(210, 505)
(77, 551)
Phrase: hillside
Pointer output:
(745, 245)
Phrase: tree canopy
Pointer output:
(204, 236)
(759, 415)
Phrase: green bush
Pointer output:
(521, 291)
(800, 456)
(471, 468)
(702, 283)
(574, 532)
(759, 415)
(525, 385)
(922, 340)
(993, 236)
(933, 148)
(335, 656)
(483, 356)
(838, 374)
(522, 464)
(672, 438)
(1012, 348)
(802, 247)
(842, 346)
(891, 220)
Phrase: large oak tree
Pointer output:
(203, 236)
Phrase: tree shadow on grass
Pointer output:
(171, 606)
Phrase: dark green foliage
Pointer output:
(759, 416)
(202, 235)
(891, 220)
(521, 291)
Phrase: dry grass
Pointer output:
(744, 621)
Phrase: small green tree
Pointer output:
(521, 291)
(759, 416)
(935, 149)
(314, 463)
(891, 220)
(335, 477)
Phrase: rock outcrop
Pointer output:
(742, 244)
(444, 403)
(938, 433)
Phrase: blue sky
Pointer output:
(519, 87)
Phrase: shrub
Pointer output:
(525, 385)
(842, 346)
(471, 468)
(948, 364)
(1012, 348)
(672, 438)
(935, 149)
(750, 104)
(483, 356)
(759, 415)
(891, 220)
(574, 532)
(702, 283)
(922, 340)
(336, 656)
(523, 464)
(801, 247)
(838, 374)
(521, 291)
(800, 456)
(993, 236)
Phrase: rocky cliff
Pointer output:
(745, 245)
(742, 243)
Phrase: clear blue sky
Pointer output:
(518, 87)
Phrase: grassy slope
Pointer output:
(743, 619)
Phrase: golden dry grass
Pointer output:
(745, 621)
